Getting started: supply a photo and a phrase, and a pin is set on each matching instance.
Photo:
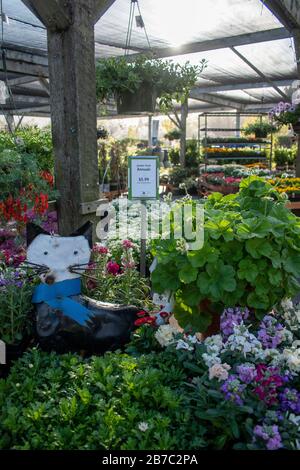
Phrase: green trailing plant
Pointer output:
(250, 256)
(261, 129)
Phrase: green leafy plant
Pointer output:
(261, 129)
(250, 257)
(33, 141)
(15, 305)
(283, 155)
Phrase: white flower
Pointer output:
(219, 371)
(287, 304)
(183, 345)
(165, 335)
(211, 359)
(143, 426)
(30, 366)
(214, 344)
(243, 341)
(292, 359)
(295, 419)
(193, 339)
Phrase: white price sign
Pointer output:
(143, 177)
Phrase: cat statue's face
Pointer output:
(59, 254)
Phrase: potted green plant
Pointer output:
(173, 135)
(261, 129)
(136, 85)
(281, 157)
(245, 260)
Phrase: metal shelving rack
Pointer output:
(205, 129)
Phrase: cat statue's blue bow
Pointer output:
(57, 296)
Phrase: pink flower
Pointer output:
(127, 244)
(102, 250)
(91, 284)
(112, 268)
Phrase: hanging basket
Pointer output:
(141, 101)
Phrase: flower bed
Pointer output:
(170, 391)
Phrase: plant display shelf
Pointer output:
(260, 145)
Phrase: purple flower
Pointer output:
(247, 373)
(290, 400)
(270, 435)
(230, 318)
(270, 332)
(233, 390)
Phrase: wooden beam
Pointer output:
(286, 11)
(21, 80)
(13, 66)
(261, 74)
(243, 85)
(217, 100)
(54, 14)
(221, 43)
(26, 57)
(101, 7)
(34, 109)
(45, 85)
(29, 99)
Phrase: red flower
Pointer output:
(91, 284)
(102, 250)
(46, 175)
(141, 313)
(164, 314)
(145, 320)
(112, 268)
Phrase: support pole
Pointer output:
(71, 56)
(150, 131)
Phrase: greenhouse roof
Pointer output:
(251, 54)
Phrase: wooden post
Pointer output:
(71, 56)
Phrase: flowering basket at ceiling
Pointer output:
(286, 114)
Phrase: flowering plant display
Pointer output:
(15, 304)
(245, 260)
(23, 187)
(113, 276)
(285, 113)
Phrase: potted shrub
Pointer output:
(286, 114)
(281, 157)
(15, 312)
(245, 260)
(261, 129)
(175, 134)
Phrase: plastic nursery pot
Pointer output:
(141, 101)
(214, 327)
(14, 352)
(296, 127)
(260, 134)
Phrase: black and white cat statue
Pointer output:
(66, 320)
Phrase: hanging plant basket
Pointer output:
(142, 100)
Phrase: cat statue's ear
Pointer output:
(86, 231)
(32, 231)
